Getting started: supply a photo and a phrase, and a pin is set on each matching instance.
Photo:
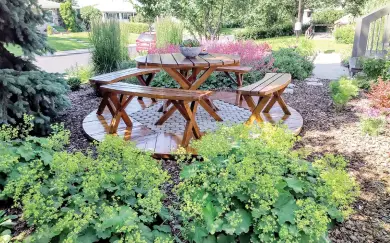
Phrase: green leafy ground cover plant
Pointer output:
(373, 126)
(113, 196)
(343, 90)
(253, 187)
(40, 94)
(6, 225)
(288, 60)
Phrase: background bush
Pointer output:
(40, 94)
(375, 67)
(345, 34)
(110, 45)
(276, 30)
(327, 16)
(343, 90)
(168, 32)
(252, 187)
(74, 83)
(89, 14)
(68, 15)
(287, 60)
(305, 47)
(113, 197)
(84, 73)
(133, 27)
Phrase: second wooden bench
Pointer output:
(117, 97)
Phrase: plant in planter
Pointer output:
(190, 48)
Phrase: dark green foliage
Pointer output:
(6, 225)
(68, 15)
(345, 34)
(89, 14)
(327, 16)
(111, 197)
(136, 28)
(375, 67)
(36, 93)
(253, 187)
(343, 90)
(216, 81)
(18, 25)
(74, 83)
(266, 32)
(287, 60)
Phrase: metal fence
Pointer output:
(372, 34)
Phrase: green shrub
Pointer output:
(168, 32)
(113, 196)
(36, 93)
(276, 30)
(362, 81)
(373, 126)
(132, 27)
(327, 16)
(252, 187)
(6, 225)
(49, 30)
(84, 73)
(109, 46)
(68, 15)
(343, 90)
(89, 14)
(74, 83)
(287, 60)
(305, 47)
(375, 67)
(345, 34)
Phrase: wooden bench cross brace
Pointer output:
(146, 82)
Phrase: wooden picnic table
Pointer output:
(179, 67)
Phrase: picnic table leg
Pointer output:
(146, 82)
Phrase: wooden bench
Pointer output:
(239, 71)
(186, 102)
(117, 76)
(269, 91)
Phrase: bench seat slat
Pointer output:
(122, 74)
(270, 83)
(152, 92)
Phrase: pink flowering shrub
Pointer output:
(256, 55)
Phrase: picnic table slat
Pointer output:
(182, 61)
(168, 60)
(153, 59)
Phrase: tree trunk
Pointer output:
(10, 61)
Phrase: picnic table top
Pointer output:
(177, 60)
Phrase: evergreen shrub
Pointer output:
(253, 187)
(114, 196)
(288, 60)
(40, 94)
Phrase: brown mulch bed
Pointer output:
(325, 131)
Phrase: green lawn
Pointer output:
(67, 42)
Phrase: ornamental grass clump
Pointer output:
(254, 187)
(113, 196)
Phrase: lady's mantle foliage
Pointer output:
(112, 196)
(254, 186)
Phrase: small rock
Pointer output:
(312, 79)
(289, 91)
(291, 86)
(314, 83)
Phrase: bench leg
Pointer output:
(277, 97)
(256, 110)
(239, 78)
(188, 112)
(105, 102)
(120, 106)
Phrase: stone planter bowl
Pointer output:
(190, 51)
